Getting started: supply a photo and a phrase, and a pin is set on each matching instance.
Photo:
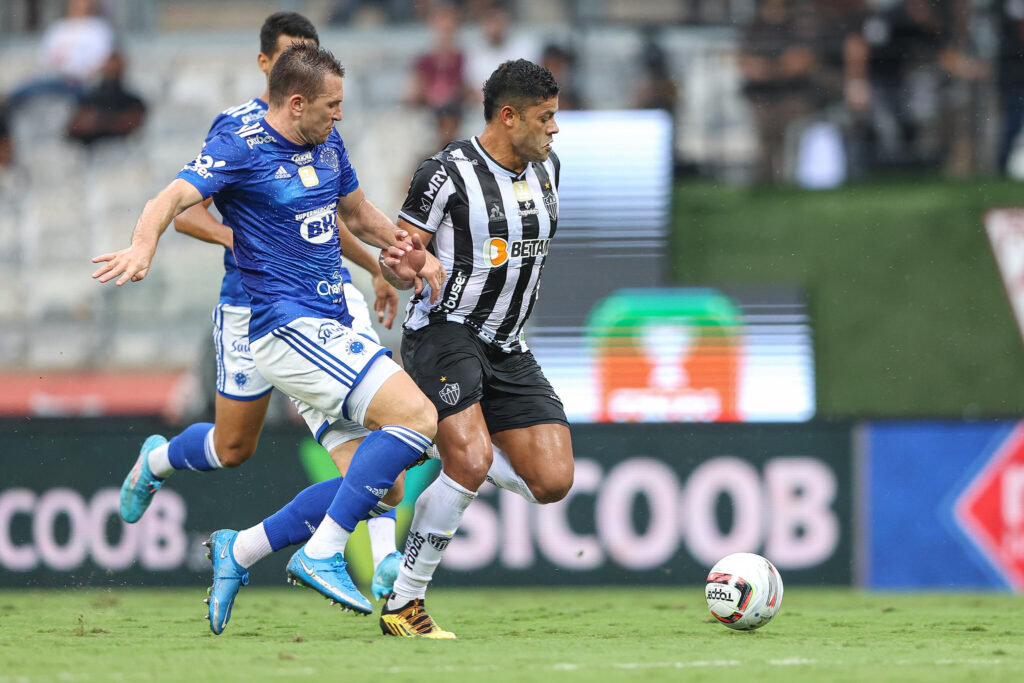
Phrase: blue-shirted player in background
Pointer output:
(282, 183)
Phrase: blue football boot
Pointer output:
(329, 578)
(228, 578)
(385, 574)
(140, 484)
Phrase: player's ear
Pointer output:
(296, 103)
(264, 63)
(508, 114)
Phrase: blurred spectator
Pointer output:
(364, 12)
(495, 45)
(437, 78)
(6, 144)
(448, 121)
(73, 50)
(1010, 76)
(108, 109)
(909, 59)
(561, 62)
(780, 69)
(656, 88)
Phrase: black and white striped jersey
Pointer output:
(491, 230)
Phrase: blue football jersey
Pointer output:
(228, 121)
(282, 201)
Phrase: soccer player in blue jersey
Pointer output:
(282, 183)
(243, 394)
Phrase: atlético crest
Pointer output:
(449, 394)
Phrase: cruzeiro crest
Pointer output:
(450, 393)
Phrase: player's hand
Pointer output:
(127, 265)
(406, 260)
(385, 302)
(432, 273)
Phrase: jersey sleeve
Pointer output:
(221, 163)
(348, 180)
(426, 203)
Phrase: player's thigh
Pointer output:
(465, 446)
(362, 319)
(324, 365)
(527, 421)
(447, 364)
(399, 401)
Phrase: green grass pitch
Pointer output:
(511, 635)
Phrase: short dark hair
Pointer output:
(301, 69)
(519, 83)
(285, 24)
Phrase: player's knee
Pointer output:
(421, 416)
(467, 463)
(551, 487)
(233, 452)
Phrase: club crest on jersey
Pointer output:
(308, 176)
(450, 393)
(551, 204)
(329, 158)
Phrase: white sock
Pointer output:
(502, 474)
(211, 453)
(251, 545)
(328, 539)
(159, 462)
(438, 514)
(382, 537)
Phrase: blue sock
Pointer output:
(296, 521)
(192, 450)
(377, 462)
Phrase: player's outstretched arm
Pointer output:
(198, 222)
(416, 267)
(132, 263)
(385, 297)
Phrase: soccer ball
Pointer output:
(744, 591)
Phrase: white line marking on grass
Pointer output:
(676, 665)
(792, 661)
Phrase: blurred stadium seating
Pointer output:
(64, 204)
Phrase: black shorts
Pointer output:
(455, 368)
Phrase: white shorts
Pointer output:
(329, 371)
(237, 376)
(362, 322)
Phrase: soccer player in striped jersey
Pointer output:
(282, 182)
(487, 208)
